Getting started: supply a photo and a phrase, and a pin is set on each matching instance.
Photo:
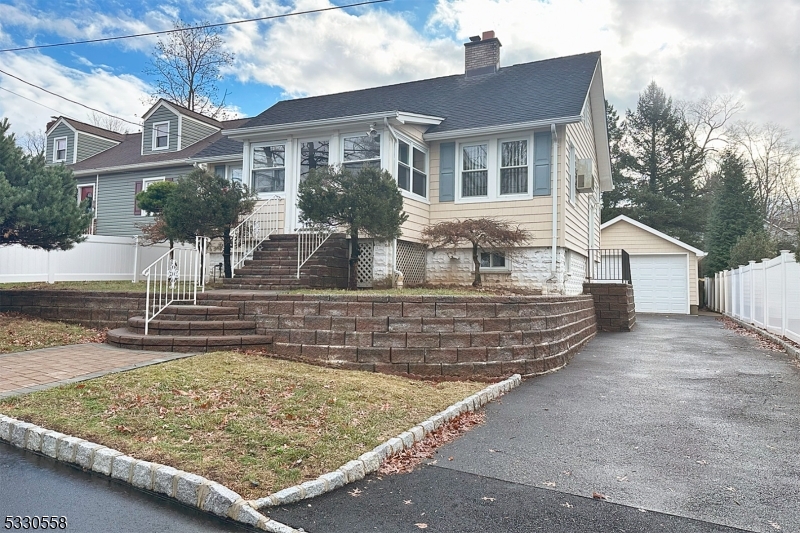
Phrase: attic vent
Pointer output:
(482, 54)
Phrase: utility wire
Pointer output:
(31, 100)
(68, 99)
(217, 25)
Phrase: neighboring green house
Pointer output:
(112, 167)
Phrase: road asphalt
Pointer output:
(681, 425)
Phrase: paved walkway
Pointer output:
(23, 372)
(682, 425)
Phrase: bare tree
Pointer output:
(33, 142)
(706, 119)
(108, 122)
(186, 65)
(484, 234)
(773, 159)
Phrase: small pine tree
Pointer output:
(367, 201)
(735, 211)
(38, 203)
(754, 245)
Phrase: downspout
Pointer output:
(398, 276)
(554, 192)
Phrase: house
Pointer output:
(525, 143)
(112, 167)
(664, 270)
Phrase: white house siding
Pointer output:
(638, 241)
(89, 145)
(162, 114)
(115, 200)
(193, 131)
(62, 130)
(534, 214)
(575, 216)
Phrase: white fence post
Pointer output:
(784, 290)
(135, 259)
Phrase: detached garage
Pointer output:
(664, 269)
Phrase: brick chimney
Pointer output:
(482, 54)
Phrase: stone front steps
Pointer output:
(274, 266)
(192, 328)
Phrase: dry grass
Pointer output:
(101, 286)
(19, 333)
(252, 423)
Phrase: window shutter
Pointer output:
(447, 172)
(541, 163)
(137, 188)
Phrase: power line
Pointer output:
(217, 25)
(32, 100)
(68, 99)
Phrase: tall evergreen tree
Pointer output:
(616, 200)
(662, 160)
(735, 211)
(38, 203)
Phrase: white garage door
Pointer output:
(660, 283)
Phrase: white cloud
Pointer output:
(121, 95)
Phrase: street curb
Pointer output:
(189, 489)
(369, 462)
(791, 350)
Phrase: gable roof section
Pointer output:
(83, 127)
(538, 91)
(224, 147)
(645, 227)
(179, 109)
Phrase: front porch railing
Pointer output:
(309, 240)
(611, 265)
(175, 277)
(253, 230)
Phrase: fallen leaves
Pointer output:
(26, 333)
(406, 460)
(355, 493)
(599, 496)
(421, 525)
(739, 330)
(774, 525)
(487, 499)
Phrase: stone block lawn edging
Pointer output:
(210, 496)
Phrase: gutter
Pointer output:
(501, 128)
(123, 168)
(246, 133)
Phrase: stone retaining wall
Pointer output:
(100, 310)
(613, 304)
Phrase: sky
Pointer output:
(691, 48)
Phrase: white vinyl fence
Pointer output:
(98, 258)
(765, 294)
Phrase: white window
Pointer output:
(474, 170)
(361, 151)
(146, 182)
(269, 168)
(60, 149)
(493, 260)
(161, 136)
(412, 169)
(235, 173)
(514, 167)
(571, 174)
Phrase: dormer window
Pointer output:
(161, 136)
(60, 150)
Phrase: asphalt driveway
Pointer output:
(682, 425)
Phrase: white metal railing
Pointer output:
(253, 230)
(765, 294)
(309, 240)
(175, 277)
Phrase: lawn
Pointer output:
(19, 333)
(103, 286)
(255, 424)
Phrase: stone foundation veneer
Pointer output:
(480, 337)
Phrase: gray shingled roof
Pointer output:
(94, 130)
(224, 146)
(541, 90)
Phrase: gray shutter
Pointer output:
(541, 163)
(447, 172)
(137, 188)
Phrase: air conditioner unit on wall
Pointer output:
(584, 177)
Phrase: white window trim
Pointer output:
(83, 186)
(493, 170)
(412, 144)
(55, 149)
(145, 184)
(286, 143)
(516, 196)
(155, 125)
(572, 175)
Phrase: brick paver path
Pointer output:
(33, 370)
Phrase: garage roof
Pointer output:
(645, 227)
